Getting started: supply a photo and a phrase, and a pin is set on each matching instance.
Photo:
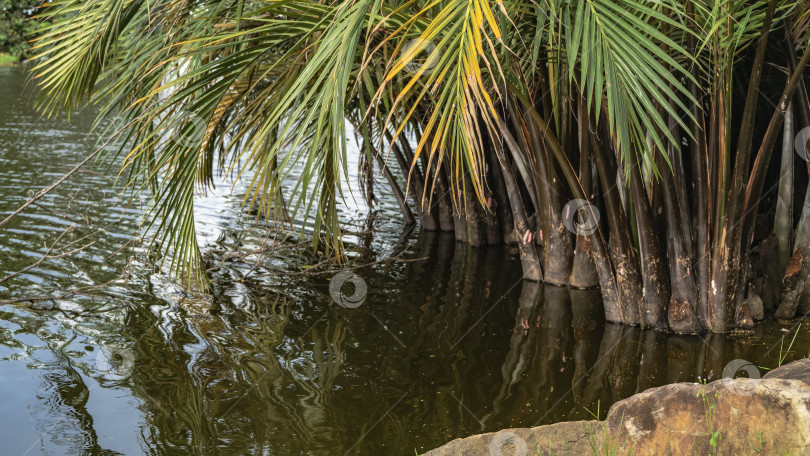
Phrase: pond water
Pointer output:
(448, 342)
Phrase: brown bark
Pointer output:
(625, 265)
(655, 283)
(528, 255)
(683, 314)
(440, 201)
(728, 262)
(619, 307)
(407, 215)
(583, 271)
(756, 183)
(501, 202)
(700, 190)
(796, 294)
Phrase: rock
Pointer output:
(746, 415)
(751, 416)
(560, 438)
(754, 303)
(745, 321)
(797, 370)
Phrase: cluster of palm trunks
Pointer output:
(708, 237)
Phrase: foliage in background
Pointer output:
(15, 27)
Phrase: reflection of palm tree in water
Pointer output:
(270, 369)
(312, 371)
(610, 362)
(65, 420)
(246, 369)
(521, 347)
(540, 353)
(315, 378)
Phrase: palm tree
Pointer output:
(517, 122)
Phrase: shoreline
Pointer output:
(728, 416)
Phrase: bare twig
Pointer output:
(47, 189)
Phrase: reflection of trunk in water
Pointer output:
(520, 350)
(484, 303)
(536, 372)
(315, 410)
(550, 370)
(312, 415)
(651, 369)
(461, 294)
(587, 319)
(457, 309)
(433, 275)
(682, 354)
(431, 247)
(624, 368)
(269, 377)
(478, 356)
(597, 386)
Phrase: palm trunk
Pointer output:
(728, 252)
(557, 246)
(777, 260)
(539, 187)
(583, 271)
(528, 255)
(796, 290)
(701, 190)
(683, 312)
(656, 287)
(407, 215)
(619, 307)
(501, 203)
(438, 195)
(625, 263)
(757, 182)
(797, 274)
(442, 201)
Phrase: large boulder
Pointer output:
(729, 417)
(797, 370)
(573, 438)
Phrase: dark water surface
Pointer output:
(443, 347)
